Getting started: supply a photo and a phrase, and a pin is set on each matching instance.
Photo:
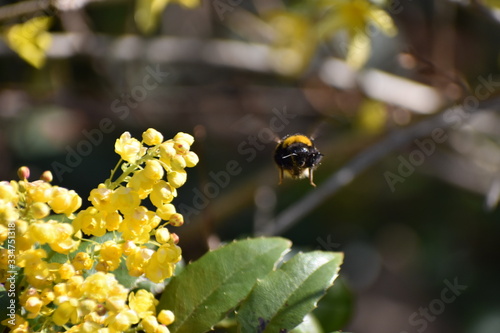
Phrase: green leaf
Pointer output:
(207, 289)
(286, 296)
(336, 308)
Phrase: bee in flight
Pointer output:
(297, 157)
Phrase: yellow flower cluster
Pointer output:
(80, 294)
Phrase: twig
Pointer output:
(23, 8)
(362, 161)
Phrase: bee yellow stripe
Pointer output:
(297, 138)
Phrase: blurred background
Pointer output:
(400, 96)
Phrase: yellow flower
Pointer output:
(137, 224)
(39, 210)
(8, 193)
(162, 329)
(90, 221)
(100, 198)
(181, 146)
(137, 259)
(31, 260)
(110, 250)
(162, 235)
(152, 137)
(294, 41)
(157, 271)
(143, 303)
(39, 191)
(65, 312)
(169, 253)
(125, 199)
(166, 317)
(110, 256)
(162, 193)
(191, 159)
(64, 201)
(86, 306)
(107, 265)
(65, 245)
(129, 149)
(354, 16)
(4, 233)
(8, 212)
(82, 261)
(153, 170)
(178, 162)
(141, 184)
(57, 235)
(43, 232)
(47, 296)
(167, 151)
(99, 286)
(188, 138)
(176, 220)
(116, 303)
(122, 320)
(113, 221)
(147, 12)
(31, 39)
(98, 303)
(161, 264)
(67, 270)
(149, 324)
(128, 247)
(166, 211)
(33, 305)
(177, 178)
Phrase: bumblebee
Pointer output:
(297, 157)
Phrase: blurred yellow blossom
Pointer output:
(147, 12)
(354, 18)
(294, 41)
(31, 39)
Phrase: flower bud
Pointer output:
(162, 235)
(176, 220)
(185, 137)
(177, 178)
(191, 159)
(23, 173)
(166, 317)
(175, 237)
(152, 137)
(46, 176)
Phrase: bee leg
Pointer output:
(281, 176)
(311, 177)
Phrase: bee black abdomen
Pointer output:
(297, 157)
